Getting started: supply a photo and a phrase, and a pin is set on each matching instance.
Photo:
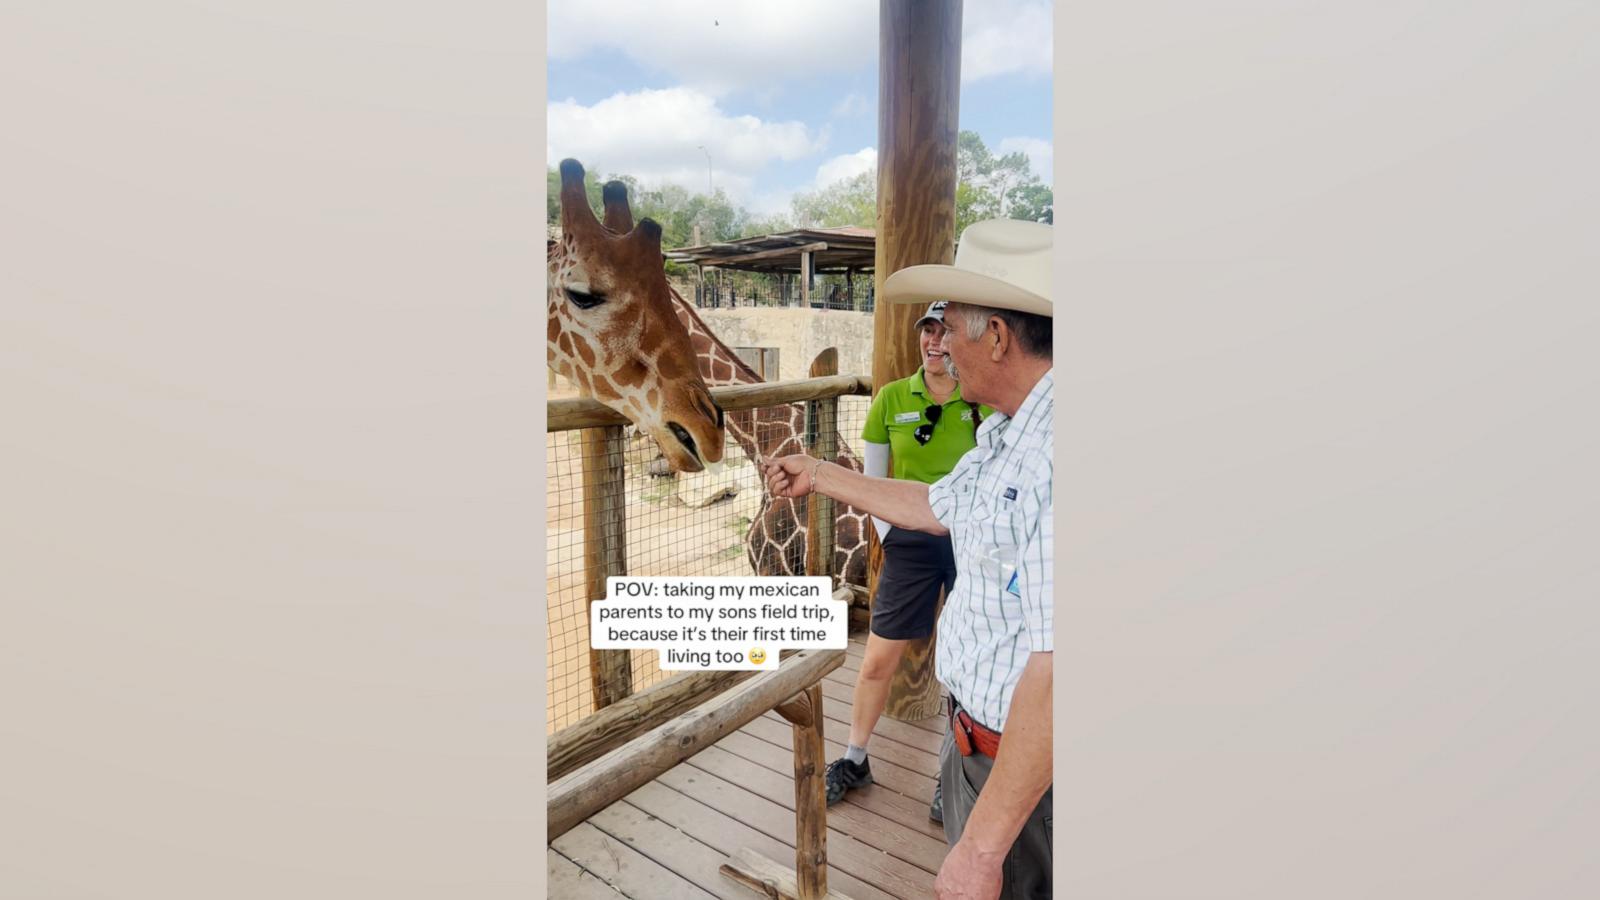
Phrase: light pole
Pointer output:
(709, 188)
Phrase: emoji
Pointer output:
(758, 655)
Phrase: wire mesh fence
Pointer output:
(703, 523)
(732, 289)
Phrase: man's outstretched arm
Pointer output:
(901, 503)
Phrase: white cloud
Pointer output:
(723, 46)
(851, 106)
(656, 136)
(1006, 37)
(1041, 155)
(776, 201)
(718, 48)
(847, 166)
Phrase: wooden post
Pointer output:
(605, 553)
(804, 712)
(919, 88)
(805, 280)
(824, 436)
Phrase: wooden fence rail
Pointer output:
(608, 779)
(567, 415)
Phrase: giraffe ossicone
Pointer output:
(613, 330)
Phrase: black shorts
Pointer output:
(915, 566)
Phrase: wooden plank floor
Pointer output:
(667, 839)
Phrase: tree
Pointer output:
(849, 201)
(990, 187)
(974, 203)
(678, 211)
(773, 224)
(987, 187)
(672, 207)
(1032, 203)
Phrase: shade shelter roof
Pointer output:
(832, 250)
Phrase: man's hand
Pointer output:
(968, 874)
(789, 476)
(900, 503)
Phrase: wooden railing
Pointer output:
(633, 738)
(605, 501)
(794, 690)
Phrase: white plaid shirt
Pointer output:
(998, 506)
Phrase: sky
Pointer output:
(781, 96)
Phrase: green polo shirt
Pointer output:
(896, 413)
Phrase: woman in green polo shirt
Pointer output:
(923, 423)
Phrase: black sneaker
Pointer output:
(842, 775)
(936, 810)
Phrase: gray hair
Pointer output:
(1033, 332)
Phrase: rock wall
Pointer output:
(799, 335)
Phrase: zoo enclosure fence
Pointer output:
(614, 509)
(731, 289)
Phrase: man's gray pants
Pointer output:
(1027, 867)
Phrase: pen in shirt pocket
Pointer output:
(999, 564)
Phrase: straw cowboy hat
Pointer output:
(1000, 263)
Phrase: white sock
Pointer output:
(855, 754)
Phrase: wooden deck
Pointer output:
(668, 838)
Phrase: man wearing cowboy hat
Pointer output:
(995, 635)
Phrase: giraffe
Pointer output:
(615, 266)
(776, 540)
(612, 329)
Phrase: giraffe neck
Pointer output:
(771, 431)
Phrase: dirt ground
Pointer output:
(664, 537)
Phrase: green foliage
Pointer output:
(987, 187)
(974, 204)
(973, 159)
(769, 225)
(674, 208)
(849, 201)
(990, 187)
(1032, 203)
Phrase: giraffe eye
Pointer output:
(584, 299)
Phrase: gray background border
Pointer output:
(270, 470)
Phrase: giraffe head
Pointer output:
(612, 328)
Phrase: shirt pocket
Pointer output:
(997, 530)
(903, 438)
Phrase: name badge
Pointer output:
(905, 417)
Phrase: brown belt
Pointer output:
(971, 737)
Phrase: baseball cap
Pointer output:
(935, 313)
